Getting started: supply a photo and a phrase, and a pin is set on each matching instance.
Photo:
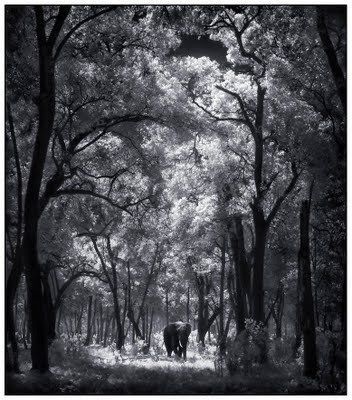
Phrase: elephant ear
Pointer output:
(184, 328)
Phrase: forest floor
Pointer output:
(97, 370)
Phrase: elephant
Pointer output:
(176, 338)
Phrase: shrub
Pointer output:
(157, 341)
(137, 347)
(246, 348)
(331, 360)
(280, 350)
(57, 351)
(74, 344)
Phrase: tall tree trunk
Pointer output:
(108, 319)
(202, 308)
(143, 324)
(24, 327)
(242, 273)
(343, 346)
(278, 310)
(188, 305)
(204, 321)
(146, 321)
(167, 308)
(120, 334)
(113, 330)
(221, 333)
(258, 267)
(11, 288)
(17, 267)
(58, 321)
(308, 324)
(79, 321)
(150, 327)
(337, 73)
(314, 264)
(298, 312)
(89, 322)
(51, 314)
(101, 323)
(46, 110)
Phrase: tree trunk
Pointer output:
(343, 346)
(46, 111)
(89, 322)
(58, 322)
(167, 308)
(146, 322)
(203, 310)
(308, 324)
(204, 322)
(242, 274)
(79, 321)
(143, 325)
(17, 266)
(331, 55)
(51, 314)
(258, 267)
(150, 327)
(221, 333)
(314, 264)
(298, 319)
(278, 310)
(101, 334)
(108, 319)
(11, 288)
(120, 334)
(113, 330)
(24, 327)
(188, 305)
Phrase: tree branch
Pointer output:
(242, 106)
(59, 21)
(103, 265)
(77, 26)
(217, 118)
(287, 191)
(19, 179)
(238, 34)
(64, 287)
(107, 123)
(84, 192)
(212, 318)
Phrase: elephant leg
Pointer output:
(179, 351)
(168, 344)
(184, 352)
(168, 349)
(175, 346)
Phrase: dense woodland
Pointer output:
(169, 163)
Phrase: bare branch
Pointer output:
(217, 118)
(84, 192)
(106, 123)
(77, 26)
(280, 200)
(242, 106)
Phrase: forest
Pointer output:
(175, 217)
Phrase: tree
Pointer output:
(306, 297)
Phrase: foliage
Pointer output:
(155, 151)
